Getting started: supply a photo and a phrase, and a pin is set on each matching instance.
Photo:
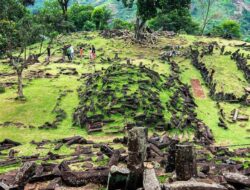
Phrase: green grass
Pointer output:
(227, 76)
(208, 112)
(42, 93)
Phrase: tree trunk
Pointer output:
(41, 46)
(138, 28)
(25, 53)
(65, 15)
(206, 18)
(20, 84)
(137, 32)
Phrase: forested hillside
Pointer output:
(228, 9)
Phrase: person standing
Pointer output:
(71, 52)
(48, 53)
(81, 52)
(93, 52)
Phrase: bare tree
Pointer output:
(206, 7)
(146, 9)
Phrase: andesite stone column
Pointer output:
(137, 145)
(185, 163)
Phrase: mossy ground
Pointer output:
(41, 94)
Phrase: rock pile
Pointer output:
(123, 90)
(130, 169)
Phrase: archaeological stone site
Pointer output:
(124, 95)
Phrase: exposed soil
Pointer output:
(197, 88)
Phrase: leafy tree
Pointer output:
(146, 9)
(26, 32)
(17, 31)
(11, 10)
(121, 24)
(176, 20)
(8, 35)
(50, 16)
(167, 14)
(167, 6)
(79, 14)
(227, 29)
(174, 15)
(100, 17)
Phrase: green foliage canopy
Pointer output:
(100, 17)
(227, 29)
(79, 15)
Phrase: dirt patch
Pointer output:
(197, 88)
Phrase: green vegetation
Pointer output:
(174, 16)
(120, 24)
(41, 94)
(225, 68)
(100, 17)
(2, 89)
(227, 29)
(227, 10)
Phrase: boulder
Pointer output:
(193, 185)
(25, 173)
(76, 179)
(150, 181)
(117, 178)
(238, 180)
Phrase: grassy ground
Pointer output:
(42, 93)
(225, 68)
(208, 111)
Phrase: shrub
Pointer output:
(247, 39)
(79, 14)
(100, 17)
(2, 89)
(121, 24)
(227, 29)
(89, 26)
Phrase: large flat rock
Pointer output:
(193, 185)
(237, 178)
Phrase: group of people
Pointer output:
(68, 50)
(92, 52)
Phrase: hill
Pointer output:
(111, 95)
(228, 9)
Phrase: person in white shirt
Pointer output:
(71, 52)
